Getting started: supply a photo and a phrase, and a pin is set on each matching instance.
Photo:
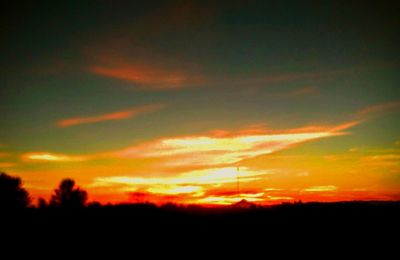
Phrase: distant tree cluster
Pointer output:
(14, 196)
(68, 195)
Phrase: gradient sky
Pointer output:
(171, 100)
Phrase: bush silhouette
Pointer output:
(12, 194)
(68, 196)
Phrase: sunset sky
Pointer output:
(173, 101)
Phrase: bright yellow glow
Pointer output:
(321, 188)
(280, 198)
(224, 200)
(160, 189)
(251, 195)
(198, 177)
(213, 149)
(203, 169)
(50, 157)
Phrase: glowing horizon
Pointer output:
(205, 103)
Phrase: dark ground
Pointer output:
(317, 228)
(141, 217)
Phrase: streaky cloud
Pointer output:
(52, 157)
(118, 115)
(224, 147)
(320, 188)
(378, 109)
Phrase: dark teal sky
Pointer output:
(286, 65)
(167, 98)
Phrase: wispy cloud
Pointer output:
(223, 147)
(52, 157)
(149, 69)
(217, 147)
(227, 200)
(272, 189)
(185, 168)
(150, 78)
(275, 78)
(379, 109)
(320, 188)
(118, 115)
(381, 160)
(188, 187)
(176, 189)
(196, 177)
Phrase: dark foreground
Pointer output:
(348, 217)
(319, 229)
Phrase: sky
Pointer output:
(203, 102)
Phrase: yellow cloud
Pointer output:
(227, 148)
(320, 188)
(176, 189)
(52, 157)
(226, 200)
(197, 177)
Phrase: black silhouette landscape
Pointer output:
(68, 208)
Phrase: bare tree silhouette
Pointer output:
(67, 195)
(12, 194)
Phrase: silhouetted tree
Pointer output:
(12, 194)
(68, 196)
(42, 203)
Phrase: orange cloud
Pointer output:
(160, 189)
(7, 164)
(119, 115)
(218, 148)
(226, 200)
(52, 157)
(189, 187)
(148, 77)
(195, 169)
(320, 188)
(376, 110)
(209, 176)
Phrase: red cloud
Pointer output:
(150, 78)
(119, 115)
(379, 109)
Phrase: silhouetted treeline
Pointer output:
(68, 207)
(14, 197)
(68, 217)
